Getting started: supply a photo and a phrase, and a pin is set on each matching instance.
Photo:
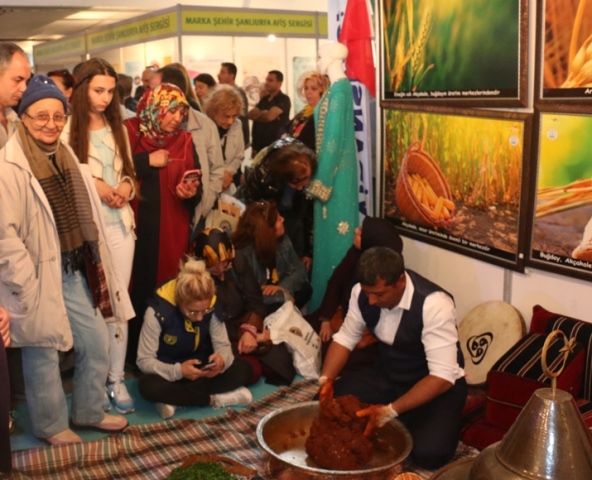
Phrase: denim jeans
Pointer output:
(45, 395)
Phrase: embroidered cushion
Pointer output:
(518, 373)
(545, 322)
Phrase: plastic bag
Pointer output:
(288, 326)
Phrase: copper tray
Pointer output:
(282, 435)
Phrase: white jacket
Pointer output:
(30, 258)
(207, 143)
(96, 168)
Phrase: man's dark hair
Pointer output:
(279, 75)
(205, 78)
(120, 91)
(380, 262)
(126, 82)
(231, 67)
(174, 76)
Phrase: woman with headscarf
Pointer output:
(97, 135)
(56, 270)
(239, 304)
(162, 153)
(311, 86)
(326, 320)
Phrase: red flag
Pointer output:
(356, 35)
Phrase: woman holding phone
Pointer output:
(97, 135)
(162, 153)
(198, 368)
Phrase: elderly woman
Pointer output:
(279, 272)
(162, 153)
(311, 86)
(56, 277)
(281, 173)
(223, 105)
(184, 350)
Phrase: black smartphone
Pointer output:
(208, 366)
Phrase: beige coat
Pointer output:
(30, 259)
(207, 144)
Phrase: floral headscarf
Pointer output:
(153, 105)
(321, 80)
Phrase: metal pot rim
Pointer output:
(396, 424)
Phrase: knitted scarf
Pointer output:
(62, 183)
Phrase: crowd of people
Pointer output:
(104, 249)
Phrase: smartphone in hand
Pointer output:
(191, 176)
(208, 366)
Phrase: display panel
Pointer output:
(454, 52)
(458, 179)
(561, 222)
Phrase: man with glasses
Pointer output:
(15, 70)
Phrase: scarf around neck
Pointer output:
(61, 181)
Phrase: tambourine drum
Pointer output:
(487, 332)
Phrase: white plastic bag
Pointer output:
(287, 325)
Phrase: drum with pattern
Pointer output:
(487, 332)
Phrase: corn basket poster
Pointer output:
(456, 181)
(562, 225)
(463, 52)
(565, 37)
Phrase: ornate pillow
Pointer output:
(518, 373)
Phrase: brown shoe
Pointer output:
(67, 436)
(109, 424)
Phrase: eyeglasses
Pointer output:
(197, 313)
(42, 119)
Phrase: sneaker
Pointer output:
(106, 402)
(240, 397)
(165, 410)
(121, 398)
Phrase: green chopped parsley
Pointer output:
(201, 471)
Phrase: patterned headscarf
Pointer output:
(153, 105)
(321, 80)
(213, 246)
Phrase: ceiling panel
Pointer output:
(18, 24)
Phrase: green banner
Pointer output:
(233, 23)
(62, 48)
(137, 31)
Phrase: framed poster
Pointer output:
(457, 178)
(561, 220)
(564, 51)
(461, 52)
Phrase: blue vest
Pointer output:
(404, 363)
(175, 343)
